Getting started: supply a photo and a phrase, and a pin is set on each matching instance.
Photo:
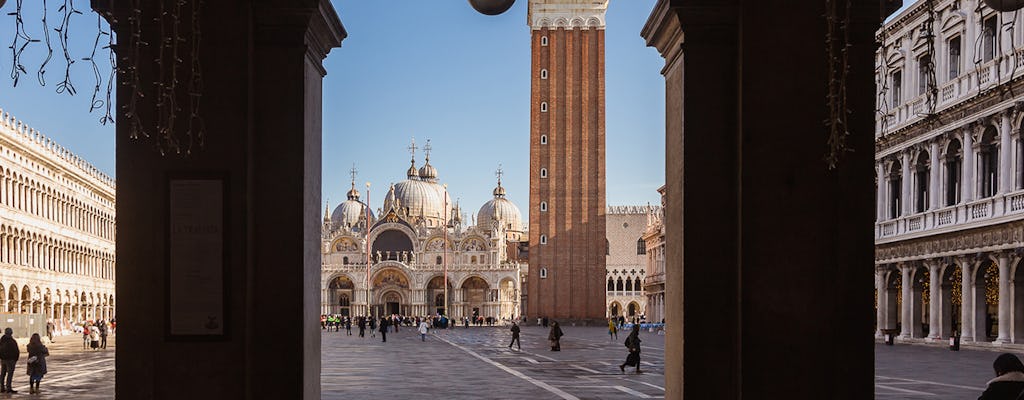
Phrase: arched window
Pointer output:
(543, 206)
(543, 172)
(543, 239)
(953, 165)
(611, 284)
(641, 247)
(344, 260)
(629, 285)
(543, 273)
(439, 260)
(543, 139)
(544, 106)
(619, 285)
(543, 74)
(636, 284)
(921, 182)
(343, 301)
(543, 40)
(988, 163)
(895, 189)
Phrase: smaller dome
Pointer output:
(503, 211)
(411, 173)
(428, 172)
(353, 194)
(350, 212)
(499, 191)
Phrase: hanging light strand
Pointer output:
(108, 116)
(837, 45)
(20, 36)
(65, 27)
(131, 73)
(41, 73)
(196, 125)
(94, 103)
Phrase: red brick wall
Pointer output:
(575, 187)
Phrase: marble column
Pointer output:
(882, 304)
(967, 179)
(907, 308)
(1004, 298)
(966, 300)
(935, 300)
(1005, 154)
(934, 176)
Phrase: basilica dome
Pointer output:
(349, 212)
(502, 210)
(418, 198)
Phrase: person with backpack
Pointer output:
(37, 353)
(633, 344)
(9, 354)
(555, 336)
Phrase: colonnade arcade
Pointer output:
(979, 297)
(57, 304)
(396, 290)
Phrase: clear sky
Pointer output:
(426, 69)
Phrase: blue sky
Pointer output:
(426, 69)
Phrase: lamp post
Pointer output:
(444, 246)
(367, 240)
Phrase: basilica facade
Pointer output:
(418, 255)
(56, 229)
(949, 235)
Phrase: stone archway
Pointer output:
(341, 291)
(474, 296)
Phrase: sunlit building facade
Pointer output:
(56, 229)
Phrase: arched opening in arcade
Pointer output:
(632, 309)
(474, 296)
(614, 310)
(390, 290)
(340, 292)
(436, 292)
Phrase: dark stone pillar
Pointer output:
(768, 267)
(262, 107)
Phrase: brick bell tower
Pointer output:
(567, 171)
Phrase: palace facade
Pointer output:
(626, 259)
(56, 229)
(949, 235)
(398, 261)
(654, 277)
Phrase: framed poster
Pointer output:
(196, 256)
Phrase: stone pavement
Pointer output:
(475, 363)
(929, 372)
(72, 373)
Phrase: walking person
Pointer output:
(373, 327)
(9, 354)
(384, 329)
(613, 331)
(49, 330)
(515, 336)
(555, 336)
(85, 336)
(362, 327)
(348, 326)
(1009, 380)
(423, 330)
(633, 344)
(37, 353)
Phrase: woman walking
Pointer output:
(613, 332)
(37, 353)
(633, 344)
(423, 330)
(555, 336)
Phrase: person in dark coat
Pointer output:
(1009, 380)
(37, 353)
(555, 336)
(384, 329)
(362, 326)
(9, 354)
(515, 336)
(633, 344)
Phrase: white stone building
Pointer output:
(626, 260)
(950, 173)
(56, 229)
(654, 278)
(420, 232)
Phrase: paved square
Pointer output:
(475, 363)
(927, 372)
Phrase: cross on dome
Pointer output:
(499, 173)
(412, 149)
(426, 150)
(352, 172)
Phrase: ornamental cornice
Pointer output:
(979, 106)
(985, 239)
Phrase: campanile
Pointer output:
(567, 172)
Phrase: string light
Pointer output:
(95, 104)
(19, 36)
(40, 74)
(65, 27)
(838, 67)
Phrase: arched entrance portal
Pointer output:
(474, 294)
(613, 311)
(435, 292)
(340, 293)
(392, 292)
